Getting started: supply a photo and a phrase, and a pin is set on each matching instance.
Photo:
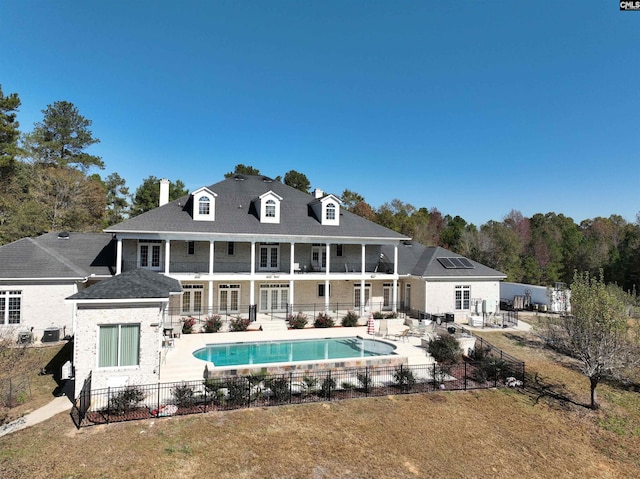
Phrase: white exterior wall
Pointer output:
(43, 306)
(441, 296)
(86, 343)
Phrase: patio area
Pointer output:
(179, 364)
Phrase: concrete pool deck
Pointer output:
(179, 364)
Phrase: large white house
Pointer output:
(246, 246)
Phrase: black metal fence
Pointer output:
(262, 390)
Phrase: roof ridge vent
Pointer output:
(238, 178)
(64, 235)
(266, 179)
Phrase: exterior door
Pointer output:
(319, 257)
(229, 298)
(269, 258)
(407, 296)
(192, 298)
(149, 255)
(274, 297)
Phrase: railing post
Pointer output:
(158, 405)
(465, 375)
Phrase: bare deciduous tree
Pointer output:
(598, 332)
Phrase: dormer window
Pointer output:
(204, 204)
(327, 210)
(330, 212)
(270, 209)
(268, 205)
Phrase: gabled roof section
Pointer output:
(416, 259)
(59, 256)
(136, 284)
(236, 215)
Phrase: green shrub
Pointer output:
(183, 395)
(239, 324)
(445, 349)
(280, 389)
(378, 315)
(350, 320)
(323, 320)
(188, 324)
(327, 387)
(239, 392)
(365, 381)
(126, 400)
(212, 324)
(310, 384)
(404, 378)
(297, 321)
(214, 391)
(391, 315)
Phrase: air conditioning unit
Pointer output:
(51, 335)
(25, 337)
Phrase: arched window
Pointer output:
(270, 209)
(204, 205)
(331, 211)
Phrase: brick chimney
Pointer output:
(164, 192)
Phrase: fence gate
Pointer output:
(82, 403)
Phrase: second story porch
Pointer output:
(226, 257)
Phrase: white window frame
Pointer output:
(269, 249)
(193, 295)
(330, 212)
(270, 207)
(387, 295)
(357, 295)
(8, 314)
(229, 290)
(119, 346)
(204, 206)
(320, 250)
(462, 297)
(149, 262)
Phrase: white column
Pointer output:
(327, 248)
(118, 257)
(395, 280)
(210, 298)
(426, 284)
(327, 296)
(292, 254)
(211, 255)
(252, 283)
(395, 296)
(167, 255)
(362, 295)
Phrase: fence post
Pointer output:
(435, 386)
(465, 375)
(290, 387)
(158, 405)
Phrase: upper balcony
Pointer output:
(202, 267)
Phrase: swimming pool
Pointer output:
(265, 352)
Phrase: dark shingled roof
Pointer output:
(419, 260)
(78, 255)
(235, 213)
(136, 284)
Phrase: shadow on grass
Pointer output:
(539, 388)
(54, 367)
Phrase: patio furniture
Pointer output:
(383, 328)
(403, 336)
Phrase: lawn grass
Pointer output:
(541, 431)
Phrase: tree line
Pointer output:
(48, 183)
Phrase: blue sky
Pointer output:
(472, 107)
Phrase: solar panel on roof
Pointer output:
(456, 263)
(466, 263)
(446, 262)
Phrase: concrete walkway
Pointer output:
(56, 406)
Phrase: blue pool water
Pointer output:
(262, 352)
